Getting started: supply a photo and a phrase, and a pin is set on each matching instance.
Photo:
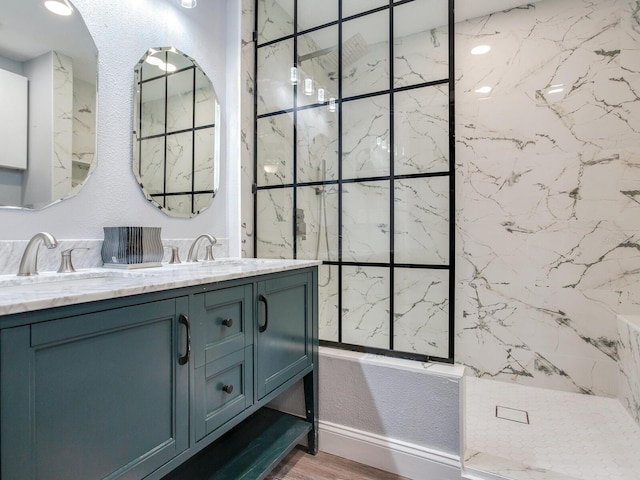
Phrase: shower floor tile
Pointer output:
(578, 436)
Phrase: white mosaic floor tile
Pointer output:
(568, 435)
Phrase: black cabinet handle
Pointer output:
(184, 320)
(227, 389)
(227, 322)
(263, 299)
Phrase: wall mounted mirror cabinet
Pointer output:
(48, 104)
(176, 133)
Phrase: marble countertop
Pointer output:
(51, 289)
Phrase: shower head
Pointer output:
(352, 50)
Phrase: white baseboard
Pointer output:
(402, 458)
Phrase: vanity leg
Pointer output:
(311, 407)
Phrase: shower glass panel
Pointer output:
(354, 7)
(365, 54)
(312, 13)
(275, 87)
(420, 42)
(421, 126)
(354, 165)
(317, 145)
(365, 137)
(318, 66)
(274, 19)
(274, 154)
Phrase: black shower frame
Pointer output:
(450, 173)
(161, 198)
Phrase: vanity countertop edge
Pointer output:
(50, 290)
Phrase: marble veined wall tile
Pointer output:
(365, 54)
(318, 220)
(275, 19)
(421, 225)
(247, 62)
(412, 62)
(328, 281)
(421, 123)
(421, 311)
(365, 222)
(317, 147)
(275, 150)
(275, 223)
(365, 137)
(547, 214)
(629, 374)
(275, 91)
(365, 306)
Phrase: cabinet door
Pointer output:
(223, 389)
(94, 396)
(284, 329)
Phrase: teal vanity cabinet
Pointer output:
(222, 355)
(284, 346)
(97, 395)
(169, 384)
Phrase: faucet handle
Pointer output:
(208, 253)
(66, 266)
(175, 254)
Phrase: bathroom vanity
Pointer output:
(161, 373)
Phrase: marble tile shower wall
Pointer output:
(547, 182)
(421, 205)
(548, 175)
(629, 364)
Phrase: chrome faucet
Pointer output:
(193, 251)
(29, 260)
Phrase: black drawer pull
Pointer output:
(227, 322)
(263, 299)
(227, 389)
(184, 320)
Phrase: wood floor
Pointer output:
(299, 465)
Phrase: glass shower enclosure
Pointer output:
(354, 163)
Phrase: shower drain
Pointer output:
(512, 414)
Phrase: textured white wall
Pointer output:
(123, 31)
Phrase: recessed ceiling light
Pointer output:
(480, 50)
(188, 3)
(59, 7)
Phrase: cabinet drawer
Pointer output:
(222, 317)
(223, 388)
